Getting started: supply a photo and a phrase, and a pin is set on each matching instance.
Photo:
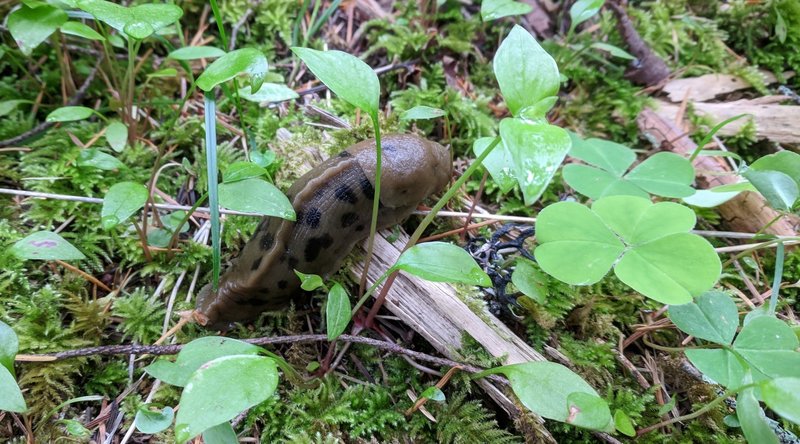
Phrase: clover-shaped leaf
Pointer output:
(663, 174)
(647, 244)
(769, 346)
(712, 316)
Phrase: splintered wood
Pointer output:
(435, 311)
(747, 212)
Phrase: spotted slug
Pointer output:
(333, 203)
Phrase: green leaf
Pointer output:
(530, 280)
(242, 170)
(94, 158)
(248, 61)
(196, 52)
(495, 9)
(45, 245)
(337, 311)
(780, 190)
(770, 346)
(222, 389)
(575, 246)
(783, 396)
(589, 411)
(536, 150)
(623, 424)
(604, 154)
(270, 93)
(595, 183)
(163, 73)
(81, 30)
(74, 428)
(713, 316)
(309, 282)
(11, 399)
(787, 162)
(31, 26)
(583, 10)
(194, 355)
(347, 76)
(220, 434)
(752, 419)
(422, 112)
(117, 135)
(613, 50)
(433, 393)
(255, 196)
(150, 421)
(649, 243)
(69, 114)
(121, 201)
(138, 22)
(9, 346)
(664, 174)
(720, 365)
(546, 387)
(525, 72)
(7, 106)
(498, 163)
(710, 198)
(442, 262)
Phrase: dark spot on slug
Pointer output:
(345, 154)
(267, 241)
(360, 228)
(253, 301)
(256, 264)
(315, 245)
(366, 188)
(349, 219)
(312, 217)
(293, 261)
(345, 194)
(282, 284)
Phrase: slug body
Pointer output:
(333, 203)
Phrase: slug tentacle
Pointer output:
(333, 203)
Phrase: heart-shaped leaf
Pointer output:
(194, 355)
(713, 316)
(649, 243)
(31, 26)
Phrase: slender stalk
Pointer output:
(373, 226)
(213, 198)
(776, 280)
(692, 415)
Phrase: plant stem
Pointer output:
(213, 198)
(776, 280)
(373, 226)
(692, 415)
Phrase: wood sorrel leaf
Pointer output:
(525, 72)
(537, 149)
(783, 396)
(650, 244)
(347, 76)
(32, 26)
(713, 316)
(442, 262)
(121, 201)
(221, 389)
(248, 61)
(45, 245)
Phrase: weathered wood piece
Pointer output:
(775, 122)
(747, 212)
(435, 311)
(709, 86)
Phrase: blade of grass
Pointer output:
(711, 133)
(213, 197)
